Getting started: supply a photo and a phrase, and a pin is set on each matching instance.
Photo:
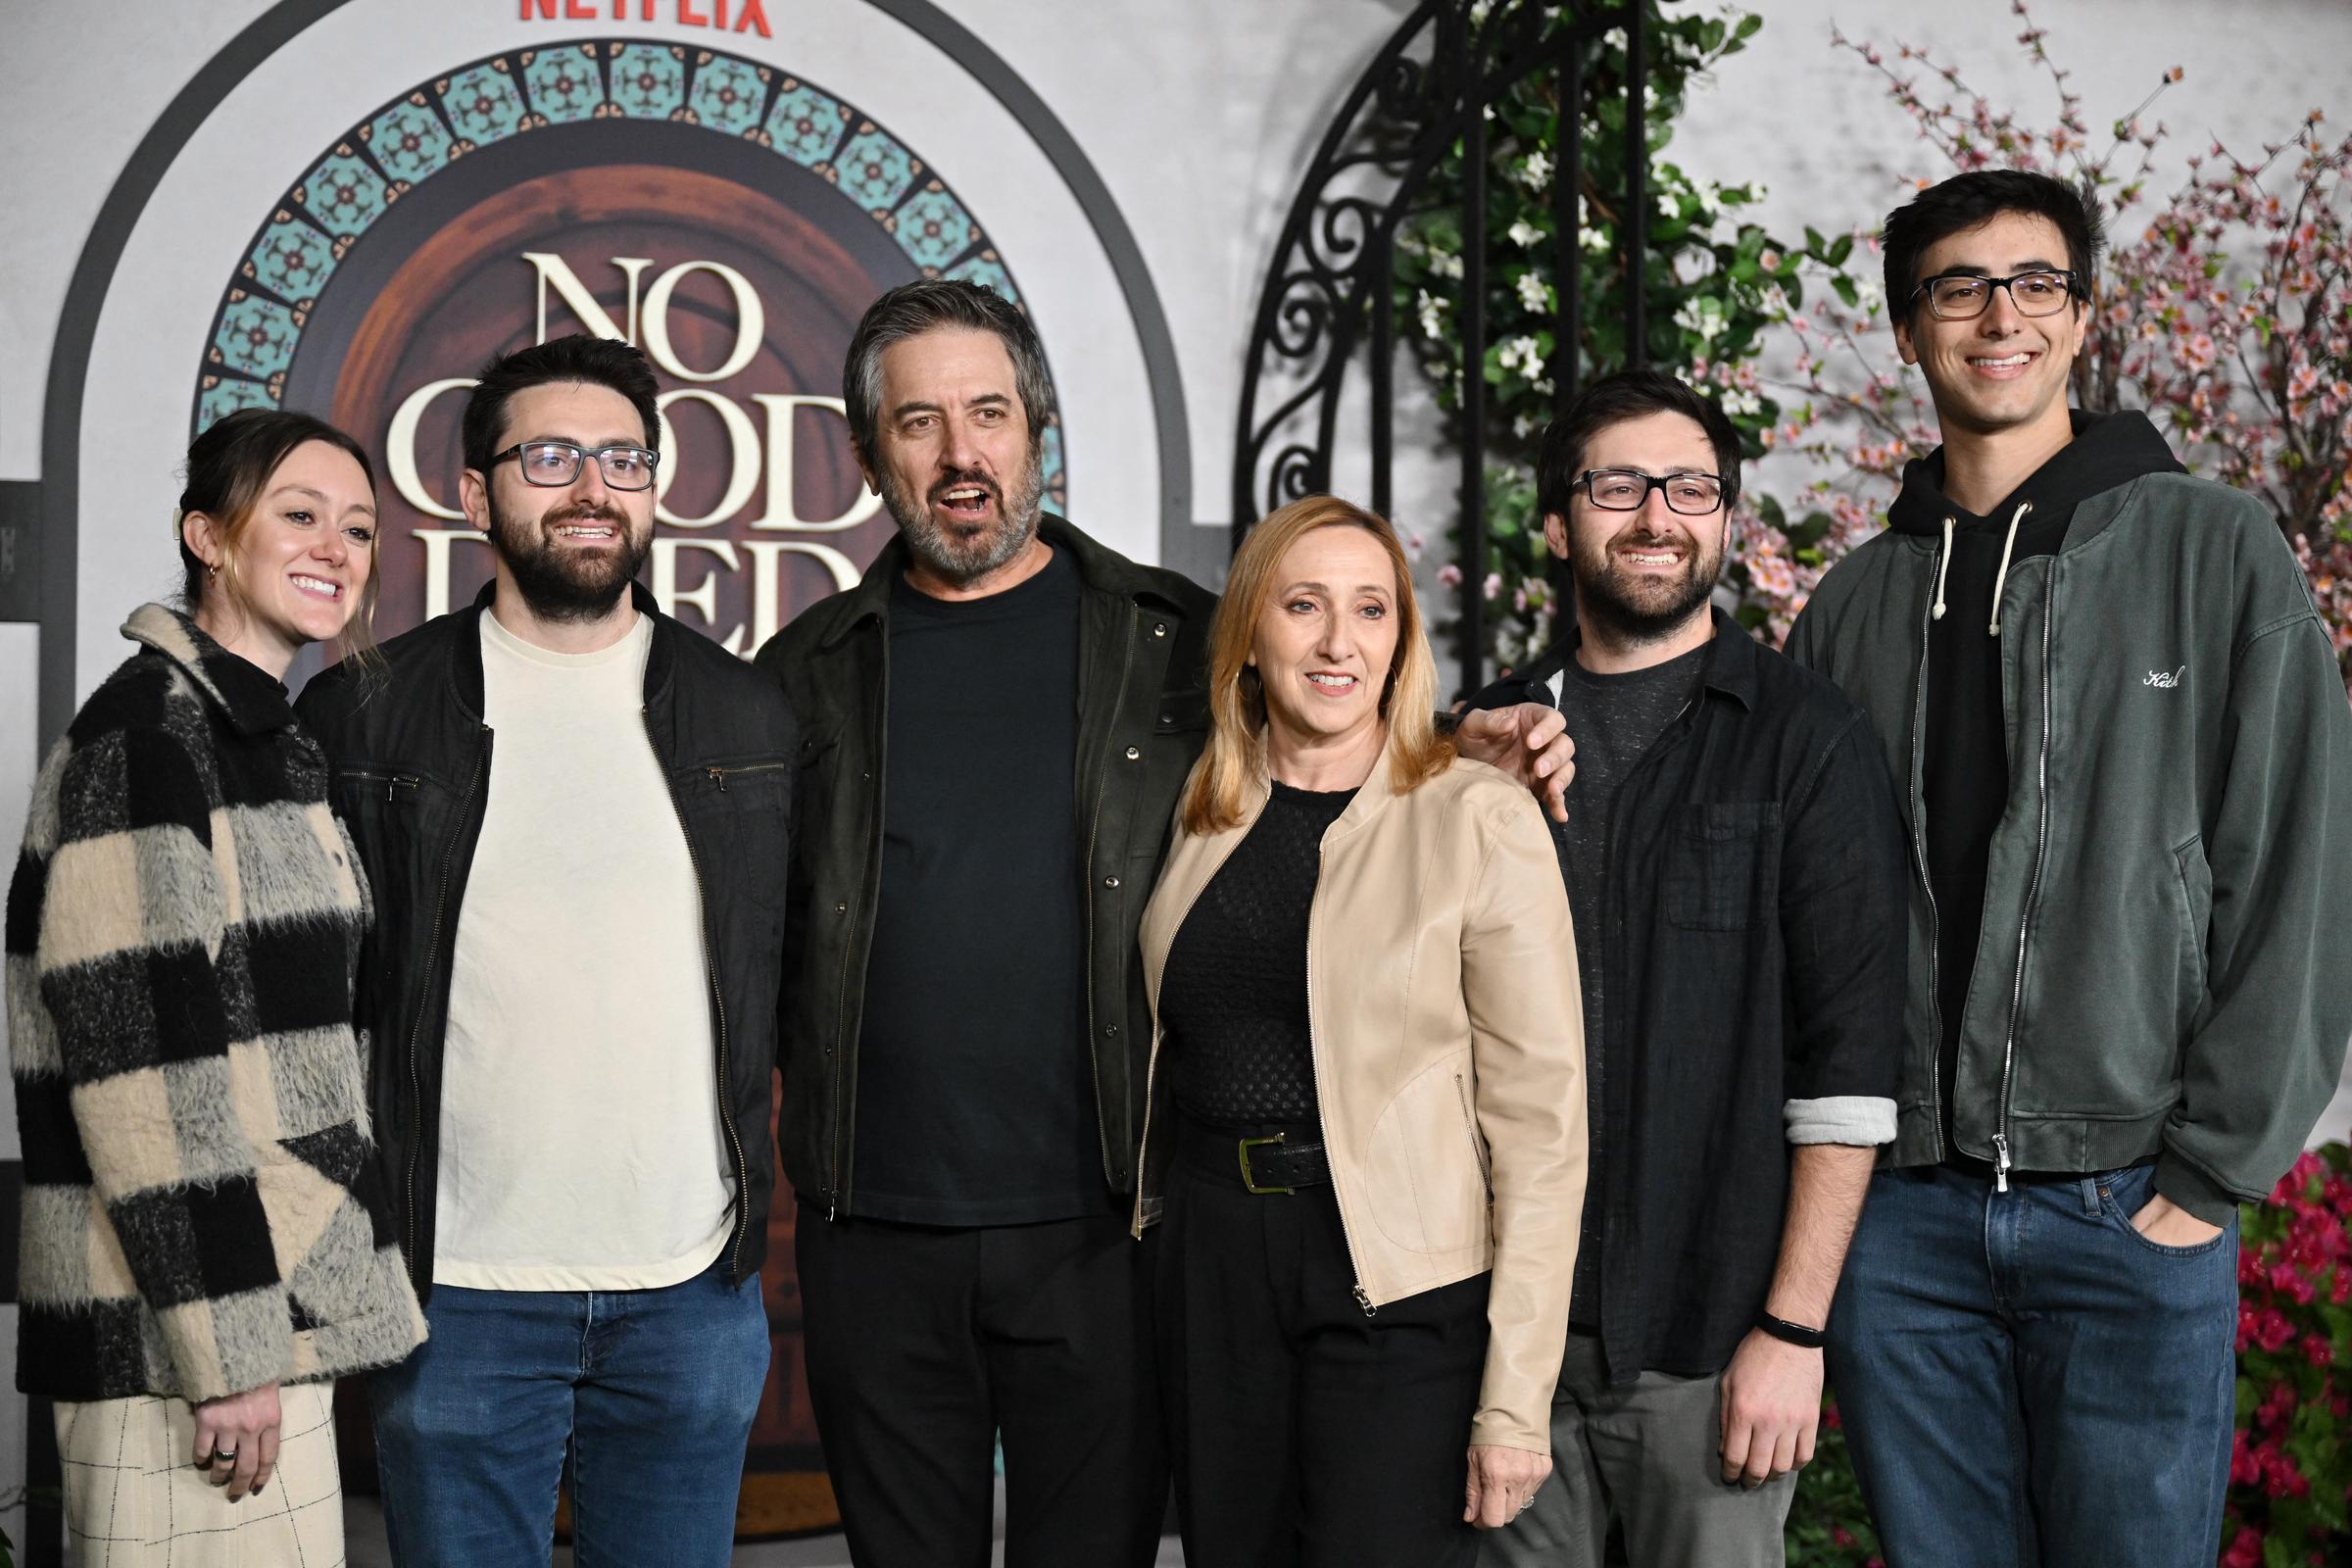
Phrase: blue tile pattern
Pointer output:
(344, 194)
(727, 94)
(874, 169)
(408, 140)
(564, 85)
(485, 104)
(649, 81)
(256, 336)
(805, 125)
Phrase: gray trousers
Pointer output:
(1650, 1454)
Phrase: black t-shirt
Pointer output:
(1612, 719)
(1233, 1001)
(974, 1096)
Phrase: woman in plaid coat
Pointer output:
(204, 1244)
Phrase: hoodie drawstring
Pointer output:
(2002, 576)
(1944, 569)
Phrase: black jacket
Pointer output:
(1753, 957)
(1142, 717)
(412, 759)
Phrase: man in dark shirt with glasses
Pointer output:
(1734, 865)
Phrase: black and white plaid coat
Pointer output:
(201, 1204)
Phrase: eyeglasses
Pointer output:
(1693, 495)
(558, 463)
(1964, 296)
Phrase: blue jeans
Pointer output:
(643, 1400)
(2027, 1382)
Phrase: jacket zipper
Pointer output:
(390, 781)
(2025, 925)
(1478, 1146)
(841, 991)
(1314, 1059)
(1094, 829)
(719, 1005)
(720, 775)
(449, 857)
(1927, 884)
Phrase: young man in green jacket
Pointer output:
(2125, 760)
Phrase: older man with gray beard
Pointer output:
(996, 722)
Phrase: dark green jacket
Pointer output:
(1143, 717)
(2161, 969)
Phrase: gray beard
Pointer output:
(966, 560)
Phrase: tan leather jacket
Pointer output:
(1449, 1054)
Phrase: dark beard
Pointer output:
(564, 587)
(1603, 597)
(962, 558)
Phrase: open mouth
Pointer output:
(969, 501)
(587, 532)
(1331, 682)
(317, 587)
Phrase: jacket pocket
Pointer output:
(1719, 864)
(2194, 882)
(1424, 1176)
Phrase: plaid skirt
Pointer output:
(134, 1499)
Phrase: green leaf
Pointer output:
(1840, 250)
(1846, 290)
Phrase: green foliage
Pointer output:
(1714, 282)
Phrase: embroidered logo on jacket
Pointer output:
(2164, 680)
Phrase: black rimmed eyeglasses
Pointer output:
(558, 463)
(1965, 296)
(1693, 495)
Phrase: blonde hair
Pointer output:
(1237, 702)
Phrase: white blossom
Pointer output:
(1532, 292)
(1595, 240)
(1445, 264)
(1525, 234)
(1735, 402)
(1703, 316)
(1522, 355)
(1534, 170)
(1432, 312)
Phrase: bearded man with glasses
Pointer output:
(1734, 870)
(575, 813)
(2125, 770)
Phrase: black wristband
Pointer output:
(1787, 1333)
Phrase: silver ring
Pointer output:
(227, 1457)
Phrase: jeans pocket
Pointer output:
(2125, 1193)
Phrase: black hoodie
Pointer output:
(1965, 771)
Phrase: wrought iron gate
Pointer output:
(1328, 294)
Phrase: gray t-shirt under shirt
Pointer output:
(1613, 720)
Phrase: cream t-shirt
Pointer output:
(580, 1142)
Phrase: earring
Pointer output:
(214, 572)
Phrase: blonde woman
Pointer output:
(1365, 1127)
(204, 1243)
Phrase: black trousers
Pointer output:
(1305, 1434)
(924, 1344)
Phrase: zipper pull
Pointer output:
(718, 776)
(1365, 1302)
(2000, 1163)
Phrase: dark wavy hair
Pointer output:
(1962, 202)
(1613, 400)
(596, 361)
(930, 305)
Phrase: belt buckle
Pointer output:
(1249, 1180)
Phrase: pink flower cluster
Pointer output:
(2289, 1475)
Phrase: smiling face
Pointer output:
(1326, 639)
(294, 572)
(956, 459)
(568, 549)
(1642, 576)
(1999, 371)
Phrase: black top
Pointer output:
(974, 1099)
(1612, 719)
(1233, 1001)
(1756, 894)
(1964, 773)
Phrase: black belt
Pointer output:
(1269, 1163)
